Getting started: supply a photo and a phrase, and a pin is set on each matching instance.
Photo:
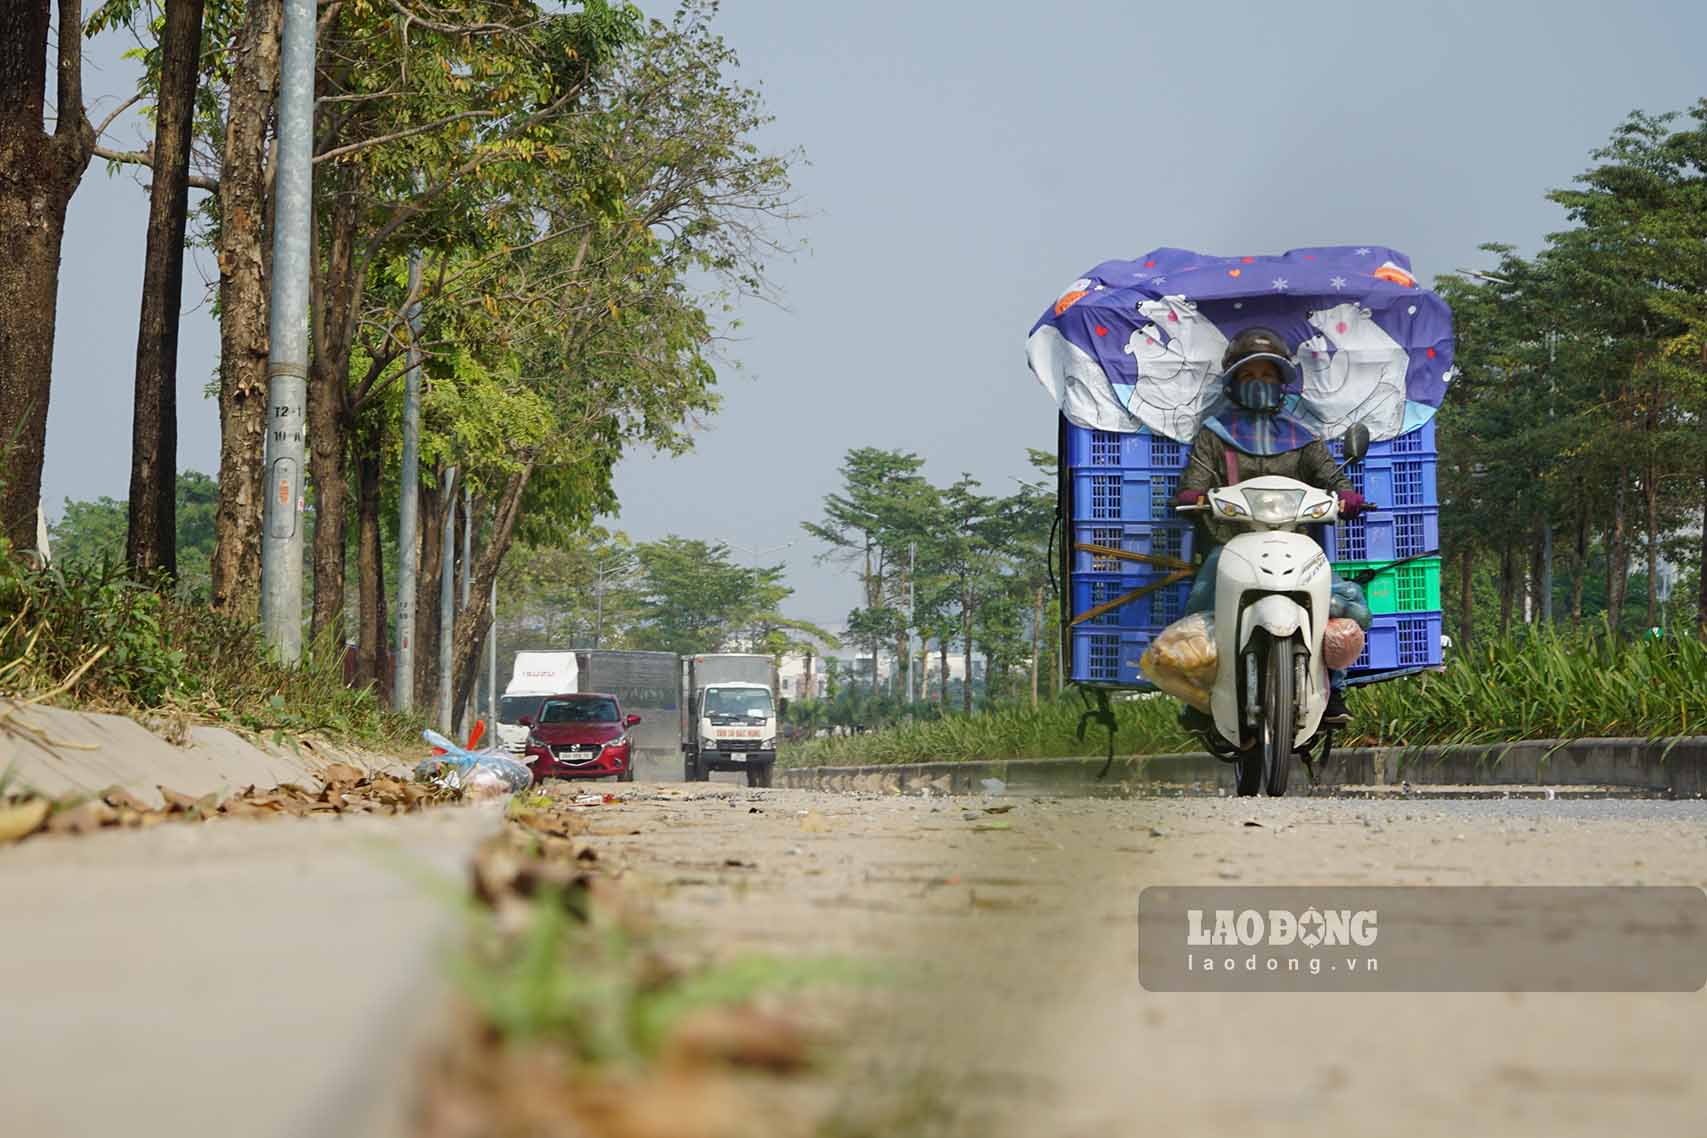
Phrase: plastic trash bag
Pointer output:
(478, 774)
(1342, 642)
(1346, 599)
(1181, 661)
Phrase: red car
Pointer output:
(580, 735)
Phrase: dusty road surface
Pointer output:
(1016, 1008)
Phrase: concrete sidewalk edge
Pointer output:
(1676, 766)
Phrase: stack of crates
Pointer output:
(1398, 475)
(1120, 490)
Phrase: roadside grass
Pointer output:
(1543, 684)
(85, 636)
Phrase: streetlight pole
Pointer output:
(447, 600)
(409, 510)
(287, 330)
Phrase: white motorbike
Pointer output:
(1272, 591)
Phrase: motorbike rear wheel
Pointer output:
(1279, 716)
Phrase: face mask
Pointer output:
(1256, 394)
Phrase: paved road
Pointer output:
(235, 978)
(1027, 1017)
(272, 978)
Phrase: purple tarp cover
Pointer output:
(1137, 344)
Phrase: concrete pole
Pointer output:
(467, 569)
(447, 602)
(409, 512)
(287, 361)
(912, 549)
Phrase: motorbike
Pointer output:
(1272, 592)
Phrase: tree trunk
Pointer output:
(244, 252)
(1533, 605)
(1701, 570)
(1617, 556)
(427, 597)
(1508, 588)
(38, 174)
(1466, 597)
(370, 557)
(807, 691)
(151, 546)
(1651, 494)
(1579, 565)
(966, 653)
(942, 679)
(1036, 641)
(335, 296)
(472, 622)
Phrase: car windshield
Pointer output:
(752, 703)
(579, 711)
(512, 708)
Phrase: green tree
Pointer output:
(696, 598)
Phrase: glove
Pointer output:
(1351, 504)
(1188, 497)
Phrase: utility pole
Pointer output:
(467, 570)
(447, 601)
(409, 510)
(912, 551)
(287, 329)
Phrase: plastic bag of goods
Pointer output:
(1181, 660)
(478, 774)
(1342, 642)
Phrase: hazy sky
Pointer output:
(966, 161)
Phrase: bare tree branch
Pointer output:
(145, 159)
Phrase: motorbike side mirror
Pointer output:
(1356, 442)
(525, 721)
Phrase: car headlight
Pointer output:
(1230, 508)
(768, 744)
(1273, 507)
(533, 741)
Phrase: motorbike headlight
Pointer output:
(1229, 508)
(1274, 507)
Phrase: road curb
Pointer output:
(1674, 767)
(55, 752)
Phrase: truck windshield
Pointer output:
(512, 707)
(579, 711)
(752, 703)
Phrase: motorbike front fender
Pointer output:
(1277, 615)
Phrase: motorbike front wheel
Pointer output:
(1279, 716)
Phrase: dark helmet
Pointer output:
(1259, 344)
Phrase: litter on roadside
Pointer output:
(488, 773)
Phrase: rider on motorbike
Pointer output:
(1255, 436)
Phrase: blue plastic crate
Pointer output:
(1383, 535)
(1140, 451)
(1401, 640)
(1124, 496)
(1417, 442)
(1109, 656)
(1404, 482)
(1174, 539)
(1151, 612)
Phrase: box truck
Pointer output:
(729, 716)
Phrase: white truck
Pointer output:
(729, 716)
(535, 676)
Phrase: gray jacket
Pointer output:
(1207, 468)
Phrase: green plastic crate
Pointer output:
(1412, 586)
